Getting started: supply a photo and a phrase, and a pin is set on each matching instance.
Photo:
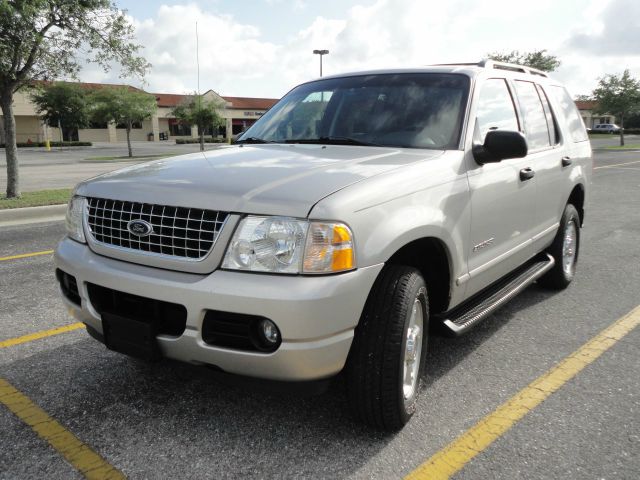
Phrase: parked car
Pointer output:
(606, 128)
(358, 210)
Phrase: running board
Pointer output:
(462, 318)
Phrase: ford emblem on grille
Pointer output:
(140, 228)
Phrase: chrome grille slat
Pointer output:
(126, 221)
(178, 232)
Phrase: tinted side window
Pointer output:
(495, 109)
(572, 116)
(535, 120)
(552, 125)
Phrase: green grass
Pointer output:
(123, 158)
(37, 199)
(632, 146)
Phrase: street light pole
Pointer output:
(321, 53)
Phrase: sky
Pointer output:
(263, 48)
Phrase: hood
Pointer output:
(260, 179)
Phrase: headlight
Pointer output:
(289, 245)
(75, 213)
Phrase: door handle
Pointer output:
(526, 174)
(566, 161)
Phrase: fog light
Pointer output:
(269, 332)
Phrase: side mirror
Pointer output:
(500, 145)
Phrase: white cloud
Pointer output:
(235, 59)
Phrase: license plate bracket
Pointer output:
(133, 337)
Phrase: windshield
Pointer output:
(412, 110)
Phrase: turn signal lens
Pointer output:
(329, 248)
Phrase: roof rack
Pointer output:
(513, 67)
(486, 63)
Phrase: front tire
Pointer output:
(564, 250)
(389, 349)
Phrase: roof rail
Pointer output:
(513, 67)
(487, 63)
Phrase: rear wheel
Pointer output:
(564, 251)
(387, 356)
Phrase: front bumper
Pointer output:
(316, 315)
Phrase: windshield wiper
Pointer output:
(253, 140)
(332, 140)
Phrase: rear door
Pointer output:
(545, 158)
(572, 160)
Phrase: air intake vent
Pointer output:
(170, 318)
(69, 286)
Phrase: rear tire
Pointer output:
(389, 349)
(564, 250)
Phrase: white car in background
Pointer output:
(606, 128)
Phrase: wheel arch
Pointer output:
(576, 198)
(432, 258)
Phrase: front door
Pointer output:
(503, 198)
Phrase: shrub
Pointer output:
(627, 131)
(184, 141)
(53, 144)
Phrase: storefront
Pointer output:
(239, 113)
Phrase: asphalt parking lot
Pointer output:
(173, 420)
(65, 167)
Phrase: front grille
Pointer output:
(176, 231)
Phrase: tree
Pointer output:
(197, 110)
(123, 106)
(62, 104)
(619, 96)
(633, 120)
(537, 59)
(40, 39)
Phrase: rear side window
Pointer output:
(552, 125)
(535, 119)
(570, 112)
(495, 109)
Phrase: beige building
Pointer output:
(590, 119)
(239, 113)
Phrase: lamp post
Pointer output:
(321, 53)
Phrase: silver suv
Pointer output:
(356, 211)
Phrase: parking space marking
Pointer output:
(474, 441)
(25, 255)
(78, 454)
(42, 334)
(616, 165)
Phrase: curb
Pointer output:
(615, 150)
(20, 216)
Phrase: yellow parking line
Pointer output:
(42, 334)
(25, 255)
(78, 454)
(616, 165)
(461, 451)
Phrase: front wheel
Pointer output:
(389, 349)
(564, 251)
